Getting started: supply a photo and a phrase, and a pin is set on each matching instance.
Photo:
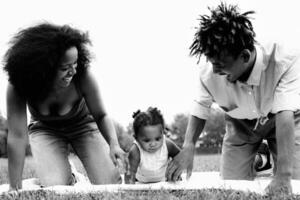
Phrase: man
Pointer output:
(259, 89)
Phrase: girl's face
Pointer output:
(67, 68)
(150, 137)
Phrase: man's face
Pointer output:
(229, 66)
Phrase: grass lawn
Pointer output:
(205, 194)
(201, 163)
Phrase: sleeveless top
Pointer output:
(78, 115)
(152, 166)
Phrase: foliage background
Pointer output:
(210, 141)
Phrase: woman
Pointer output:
(48, 71)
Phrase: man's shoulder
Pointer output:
(279, 50)
(276, 55)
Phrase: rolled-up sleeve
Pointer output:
(202, 103)
(287, 92)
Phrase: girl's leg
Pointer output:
(50, 153)
(93, 151)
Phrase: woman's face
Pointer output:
(67, 68)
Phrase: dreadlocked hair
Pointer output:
(225, 30)
(152, 116)
(34, 57)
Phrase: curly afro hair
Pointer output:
(34, 56)
(225, 30)
(152, 116)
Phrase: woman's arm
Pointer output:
(134, 161)
(17, 139)
(173, 149)
(91, 93)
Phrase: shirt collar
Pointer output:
(255, 76)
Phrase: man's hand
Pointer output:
(184, 160)
(279, 186)
(14, 190)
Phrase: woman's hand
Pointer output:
(129, 178)
(119, 157)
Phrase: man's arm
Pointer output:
(285, 150)
(17, 139)
(194, 129)
(184, 160)
(173, 149)
(285, 138)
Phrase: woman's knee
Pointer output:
(57, 179)
(107, 176)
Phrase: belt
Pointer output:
(262, 120)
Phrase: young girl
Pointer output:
(149, 155)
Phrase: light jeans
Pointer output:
(241, 143)
(49, 147)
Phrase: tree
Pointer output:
(3, 136)
(129, 129)
(212, 134)
(125, 139)
(178, 128)
(214, 129)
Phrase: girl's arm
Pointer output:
(17, 139)
(91, 93)
(134, 161)
(173, 149)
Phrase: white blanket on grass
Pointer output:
(198, 180)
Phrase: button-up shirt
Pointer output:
(273, 86)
